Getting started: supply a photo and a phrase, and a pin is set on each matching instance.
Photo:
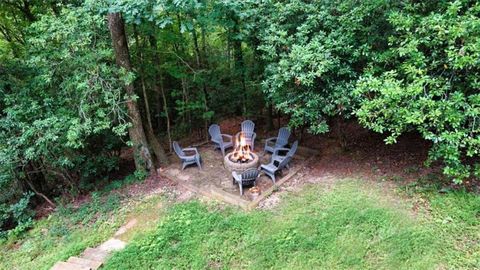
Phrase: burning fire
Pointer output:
(241, 153)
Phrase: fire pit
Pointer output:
(242, 158)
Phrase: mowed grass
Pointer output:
(352, 226)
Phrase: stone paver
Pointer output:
(68, 266)
(93, 265)
(92, 258)
(112, 244)
(126, 227)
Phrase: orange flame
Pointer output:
(241, 153)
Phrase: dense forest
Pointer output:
(81, 80)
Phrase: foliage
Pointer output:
(431, 84)
(315, 52)
(343, 228)
(17, 215)
(396, 66)
(63, 106)
(72, 228)
(64, 233)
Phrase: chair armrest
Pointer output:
(236, 176)
(277, 158)
(277, 150)
(270, 139)
(191, 149)
(230, 137)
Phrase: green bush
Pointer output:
(430, 84)
(16, 217)
(396, 66)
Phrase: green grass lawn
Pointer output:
(352, 226)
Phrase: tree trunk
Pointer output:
(200, 65)
(158, 79)
(279, 118)
(270, 125)
(142, 156)
(156, 147)
(142, 80)
(239, 63)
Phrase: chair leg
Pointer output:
(241, 188)
(199, 163)
(184, 165)
(223, 151)
(272, 176)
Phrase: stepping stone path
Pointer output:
(93, 258)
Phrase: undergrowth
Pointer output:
(67, 231)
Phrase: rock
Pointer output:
(95, 254)
(94, 265)
(112, 245)
(68, 266)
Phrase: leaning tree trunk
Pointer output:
(152, 140)
(158, 79)
(142, 156)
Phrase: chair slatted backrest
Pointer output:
(283, 135)
(284, 162)
(178, 150)
(248, 126)
(250, 174)
(293, 149)
(247, 136)
(214, 131)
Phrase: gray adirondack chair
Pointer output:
(276, 142)
(273, 167)
(218, 138)
(246, 178)
(281, 153)
(248, 126)
(248, 131)
(187, 159)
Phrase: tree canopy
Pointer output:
(68, 98)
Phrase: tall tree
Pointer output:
(142, 156)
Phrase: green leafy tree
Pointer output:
(63, 107)
(316, 51)
(431, 83)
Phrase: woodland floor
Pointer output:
(366, 206)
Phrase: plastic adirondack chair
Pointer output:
(289, 152)
(246, 178)
(217, 138)
(277, 142)
(249, 138)
(248, 126)
(248, 132)
(187, 159)
(272, 168)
